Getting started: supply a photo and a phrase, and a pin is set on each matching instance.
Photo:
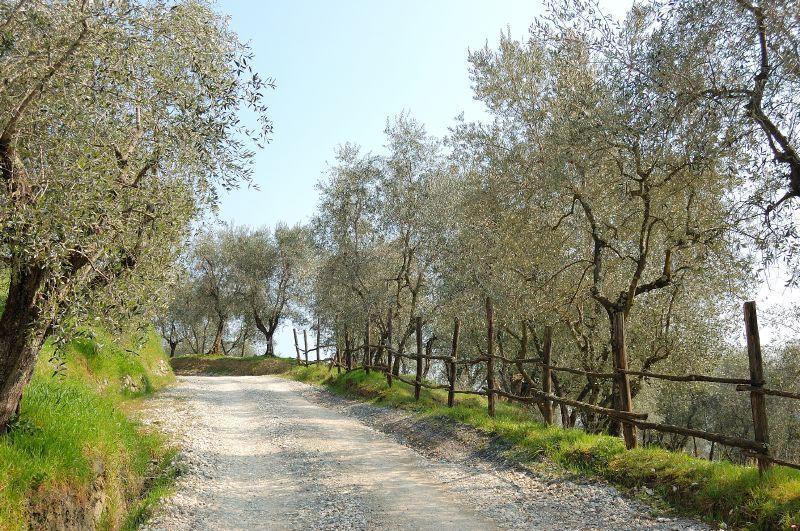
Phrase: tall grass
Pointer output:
(73, 443)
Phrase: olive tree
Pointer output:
(347, 279)
(117, 123)
(239, 282)
(375, 226)
(271, 267)
(173, 322)
(740, 60)
(621, 193)
(218, 289)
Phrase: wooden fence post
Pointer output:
(296, 345)
(367, 361)
(389, 349)
(380, 347)
(305, 345)
(451, 394)
(490, 359)
(318, 332)
(418, 379)
(625, 402)
(758, 403)
(547, 374)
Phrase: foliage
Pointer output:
(739, 61)
(591, 192)
(119, 121)
(238, 283)
(272, 269)
(373, 232)
(111, 161)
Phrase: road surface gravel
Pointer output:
(262, 452)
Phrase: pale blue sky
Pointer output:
(343, 67)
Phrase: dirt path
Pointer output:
(262, 453)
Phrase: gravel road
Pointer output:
(261, 452)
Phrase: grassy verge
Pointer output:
(157, 487)
(716, 491)
(74, 459)
(227, 366)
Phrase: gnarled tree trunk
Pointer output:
(268, 329)
(21, 339)
(216, 347)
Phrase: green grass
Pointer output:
(229, 366)
(105, 362)
(73, 437)
(715, 491)
(159, 487)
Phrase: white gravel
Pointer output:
(261, 452)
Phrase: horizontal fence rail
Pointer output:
(384, 357)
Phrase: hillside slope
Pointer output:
(74, 458)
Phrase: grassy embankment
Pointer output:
(716, 491)
(74, 459)
(229, 366)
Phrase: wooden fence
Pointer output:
(623, 410)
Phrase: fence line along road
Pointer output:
(623, 411)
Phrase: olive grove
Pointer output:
(118, 123)
(630, 176)
(236, 288)
(376, 218)
(613, 178)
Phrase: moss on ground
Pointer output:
(716, 491)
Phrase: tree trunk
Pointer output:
(243, 345)
(624, 400)
(428, 352)
(172, 346)
(216, 348)
(398, 360)
(20, 341)
(270, 346)
(202, 348)
(267, 329)
(565, 421)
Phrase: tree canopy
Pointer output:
(119, 122)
